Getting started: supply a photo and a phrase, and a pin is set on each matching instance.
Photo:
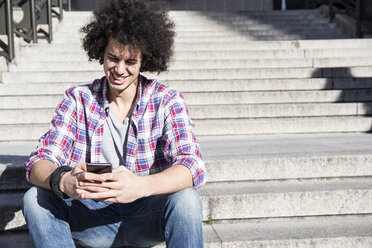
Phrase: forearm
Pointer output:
(40, 173)
(173, 179)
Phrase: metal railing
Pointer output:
(6, 18)
(359, 10)
(35, 13)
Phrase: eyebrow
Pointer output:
(114, 56)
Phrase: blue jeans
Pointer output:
(53, 222)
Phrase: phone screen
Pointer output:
(99, 168)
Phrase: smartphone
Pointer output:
(99, 168)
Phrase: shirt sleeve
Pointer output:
(181, 144)
(55, 145)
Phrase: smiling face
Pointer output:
(122, 64)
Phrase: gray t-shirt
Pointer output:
(115, 136)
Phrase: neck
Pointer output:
(123, 99)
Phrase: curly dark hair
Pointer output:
(137, 23)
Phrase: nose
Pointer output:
(121, 67)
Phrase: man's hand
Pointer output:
(120, 186)
(77, 183)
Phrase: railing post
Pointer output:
(284, 5)
(33, 21)
(9, 29)
(358, 21)
(69, 5)
(331, 11)
(60, 9)
(50, 22)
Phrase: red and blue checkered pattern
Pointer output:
(160, 133)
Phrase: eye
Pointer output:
(112, 58)
(131, 61)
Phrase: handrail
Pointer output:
(8, 29)
(353, 8)
(35, 12)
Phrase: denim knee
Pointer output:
(29, 201)
(36, 201)
(186, 204)
(183, 220)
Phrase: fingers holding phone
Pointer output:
(77, 182)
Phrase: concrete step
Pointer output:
(225, 31)
(279, 157)
(273, 110)
(230, 53)
(252, 200)
(320, 36)
(242, 38)
(270, 18)
(35, 88)
(331, 232)
(247, 20)
(251, 24)
(22, 239)
(204, 64)
(242, 13)
(73, 17)
(235, 20)
(306, 198)
(245, 158)
(249, 45)
(294, 125)
(243, 126)
(81, 56)
(245, 167)
(305, 233)
(195, 74)
(262, 97)
(200, 64)
(213, 98)
(199, 24)
(201, 112)
(238, 30)
(231, 85)
(250, 20)
(281, 25)
(265, 73)
(257, 14)
(299, 44)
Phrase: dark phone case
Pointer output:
(99, 168)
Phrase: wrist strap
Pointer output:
(55, 179)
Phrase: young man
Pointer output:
(139, 125)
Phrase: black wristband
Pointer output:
(55, 179)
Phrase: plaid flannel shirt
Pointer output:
(160, 133)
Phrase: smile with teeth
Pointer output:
(119, 78)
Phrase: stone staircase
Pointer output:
(281, 103)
